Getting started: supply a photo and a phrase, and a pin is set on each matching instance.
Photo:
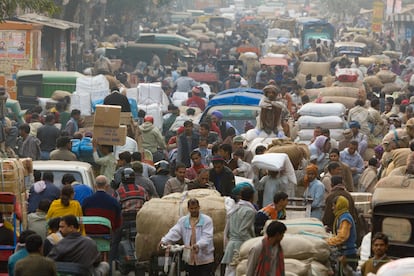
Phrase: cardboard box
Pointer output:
(115, 136)
(107, 116)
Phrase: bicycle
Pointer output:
(172, 265)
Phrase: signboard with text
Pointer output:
(377, 16)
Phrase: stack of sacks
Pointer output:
(389, 79)
(14, 172)
(89, 91)
(344, 95)
(152, 99)
(315, 69)
(303, 252)
(326, 115)
(158, 215)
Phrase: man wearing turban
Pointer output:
(273, 110)
(315, 190)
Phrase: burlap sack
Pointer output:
(319, 269)
(368, 154)
(392, 54)
(59, 95)
(241, 268)
(315, 68)
(356, 84)
(302, 247)
(337, 91)
(391, 87)
(299, 247)
(367, 61)
(398, 136)
(313, 93)
(157, 216)
(399, 156)
(295, 153)
(386, 76)
(373, 82)
(297, 267)
(348, 102)
(395, 182)
(327, 80)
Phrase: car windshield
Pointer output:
(57, 177)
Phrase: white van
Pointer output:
(82, 171)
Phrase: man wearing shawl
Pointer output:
(273, 110)
(315, 190)
(266, 257)
(344, 231)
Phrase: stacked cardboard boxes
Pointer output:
(106, 126)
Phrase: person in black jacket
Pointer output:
(221, 176)
(116, 98)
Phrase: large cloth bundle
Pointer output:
(307, 134)
(295, 246)
(347, 74)
(396, 182)
(310, 122)
(391, 87)
(59, 95)
(327, 80)
(386, 76)
(271, 161)
(399, 136)
(157, 216)
(373, 82)
(303, 226)
(348, 102)
(399, 156)
(152, 93)
(404, 266)
(322, 110)
(315, 68)
(337, 91)
(296, 152)
(356, 84)
(367, 61)
(313, 93)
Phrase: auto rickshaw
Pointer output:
(392, 214)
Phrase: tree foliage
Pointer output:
(8, 7)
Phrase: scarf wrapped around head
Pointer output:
(341, 207)
(320, 142)
(311, 168)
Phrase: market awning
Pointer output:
(48, 21)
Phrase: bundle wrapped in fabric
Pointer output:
(158, 215)
(276, 162)
(295, 246)
(296, 152)
(315, 68)
(391, 87)
(348, 102)
(386, 76)
(322, 110)
(310, 122)
(347, 74)
(338, 91)
(373, 82)
(307, 134)
(303, 226)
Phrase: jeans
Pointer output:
(200, 270)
